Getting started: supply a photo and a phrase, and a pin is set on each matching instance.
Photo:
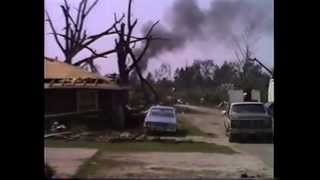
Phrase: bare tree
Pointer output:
(243, 49)
(125, 44)
(75, 39)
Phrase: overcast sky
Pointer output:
(210, 47)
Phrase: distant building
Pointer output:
(227, 86)
(72, 92)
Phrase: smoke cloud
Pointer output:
(223, 20)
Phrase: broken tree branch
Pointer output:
(90, 8)
(54, 32)
(138, 70)
(151, 28)
(68, 12)
(67, 30)
(146, 38)
(94, 57)
(136, 61)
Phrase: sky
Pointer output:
(194, 45)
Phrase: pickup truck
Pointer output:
(245, 119)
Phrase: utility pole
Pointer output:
(256, 60)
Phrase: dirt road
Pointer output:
(211, 121)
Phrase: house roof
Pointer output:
(54, 69)
(59, 75)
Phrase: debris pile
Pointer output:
(112, 136)
(109, 136)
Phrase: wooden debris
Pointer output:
(56, 134)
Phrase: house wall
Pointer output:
(110, 102)
(60, 101)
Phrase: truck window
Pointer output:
(248, 108)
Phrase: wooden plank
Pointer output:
(51, 82)
(59, 115)
(56, 134)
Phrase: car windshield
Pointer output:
(162, 112)
(248, 108)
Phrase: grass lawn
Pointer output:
(89, 168)
(92, 165)
(144, 146)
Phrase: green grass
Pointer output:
(90, 167)
(93, 166)
(144, 146)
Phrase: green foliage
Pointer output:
(205, 79)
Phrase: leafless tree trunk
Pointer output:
(124, 48)
(243, 45)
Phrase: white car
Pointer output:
(161, 118)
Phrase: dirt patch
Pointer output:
(210, 124)
(181, 164)
(66, 161)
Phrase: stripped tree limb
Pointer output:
(54, 32)
(146, 38)
(94, 57)
(75, 36)
(143, 81)
(136, 61)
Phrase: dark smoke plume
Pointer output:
(221, 21)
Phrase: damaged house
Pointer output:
(73, 94)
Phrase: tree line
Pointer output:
(205, 80)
